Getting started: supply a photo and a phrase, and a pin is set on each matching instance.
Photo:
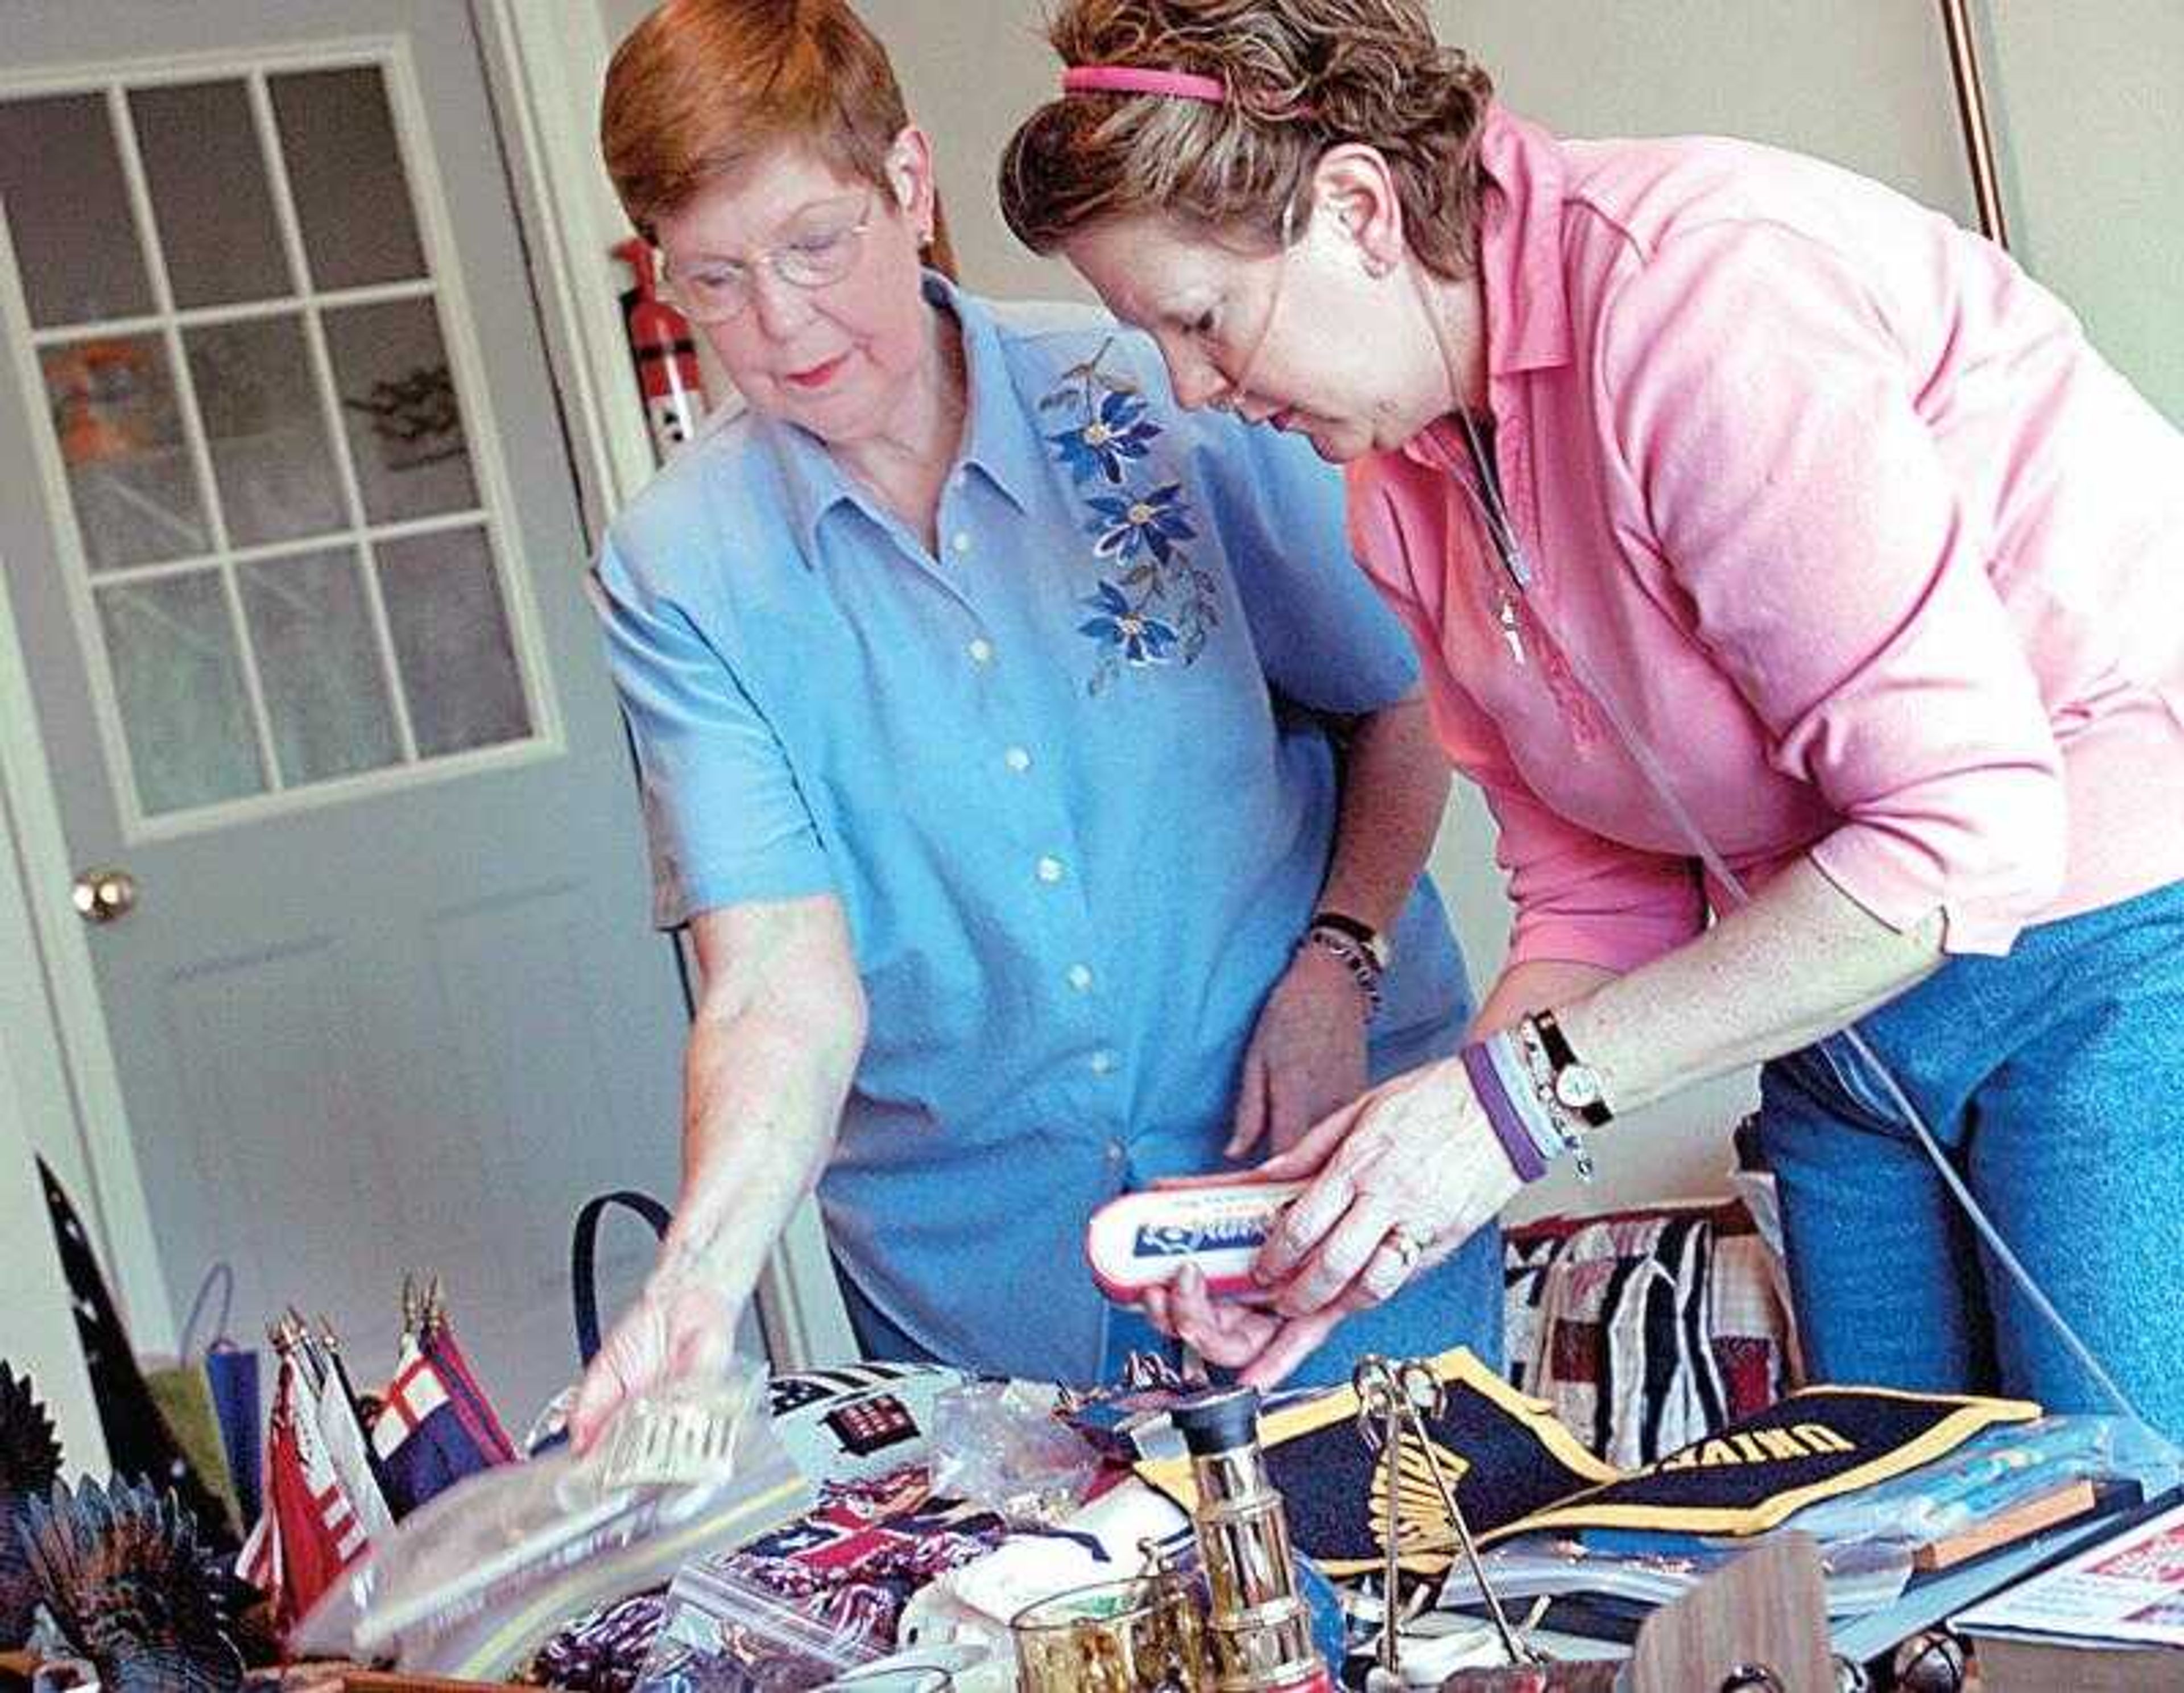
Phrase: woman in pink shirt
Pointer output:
(1822, 504)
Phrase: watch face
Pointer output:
(1577, 1085)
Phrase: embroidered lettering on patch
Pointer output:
(1760, 1446)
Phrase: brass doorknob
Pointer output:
(103, 896)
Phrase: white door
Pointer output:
(296, 563)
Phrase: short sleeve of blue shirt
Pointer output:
(723, 814)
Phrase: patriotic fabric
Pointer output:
(347, 1449)
(434, 1427)
(853, 1564)
(311, 1531)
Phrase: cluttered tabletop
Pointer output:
(899, 1525)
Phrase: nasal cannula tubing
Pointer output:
(1508, 547)
(1485, 497)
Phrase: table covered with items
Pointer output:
(1652, 1492)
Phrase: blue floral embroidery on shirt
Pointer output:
(1114, 430)
(1161, 608)
(1126, 527)
(1135, 636)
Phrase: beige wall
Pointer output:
(2088, 110)
(2088, 98)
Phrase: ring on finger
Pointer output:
(1406, 1245)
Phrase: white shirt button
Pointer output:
(1079, 976)
(980, 651)
(1101, 1062)
(1048, 871)
(1116, 1154)
(1017, 759)
(961, 540)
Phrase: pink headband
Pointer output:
(1133, 79)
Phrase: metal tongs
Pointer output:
(1395, 1397)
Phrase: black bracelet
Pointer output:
(1375, 943)
(1364, 968)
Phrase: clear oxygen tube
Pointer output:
(1482, 487)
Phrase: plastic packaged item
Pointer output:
(1143, 1240)
(471, 1583)
(999, 1445)
(1991, 1474)
(726, 1634)
(1858, 1576)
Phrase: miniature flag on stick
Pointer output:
(436, 1426)
(311, 1531)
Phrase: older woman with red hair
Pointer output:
(1047, 794)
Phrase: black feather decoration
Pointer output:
(132, 1588)
(29, 1464)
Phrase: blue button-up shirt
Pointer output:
(1067, 777)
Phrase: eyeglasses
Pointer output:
(715, 290)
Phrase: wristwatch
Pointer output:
(1375, 943)
(1578, 1088)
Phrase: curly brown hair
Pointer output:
(1302, 76)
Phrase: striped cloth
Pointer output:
(1644, 1330)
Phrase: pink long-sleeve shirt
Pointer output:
(1884, 561)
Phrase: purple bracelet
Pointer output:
(1486, 1083)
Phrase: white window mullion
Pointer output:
(268, 755)
(163, 300)
(192, 421)
(322, 373)
(241, 312)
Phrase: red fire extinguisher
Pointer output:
(666, 357)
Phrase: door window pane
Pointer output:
(352, 199)
(398, 400)
(178, 676)
(318, 662)
(129, 471)
(211, 197)
(458, 669)
(259, 400)
(68, 209)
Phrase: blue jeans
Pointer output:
(2052, 1077)
(1458, 1303)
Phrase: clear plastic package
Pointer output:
(726, 1635)
(469, 1584)
(999, 1445)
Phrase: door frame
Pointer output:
(543, 67)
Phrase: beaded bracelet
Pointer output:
(1364, 968)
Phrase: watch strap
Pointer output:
(1556, 1047)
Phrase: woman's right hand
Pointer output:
(679, 1328)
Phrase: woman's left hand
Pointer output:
(1401, 1178)
(1306, 1056)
